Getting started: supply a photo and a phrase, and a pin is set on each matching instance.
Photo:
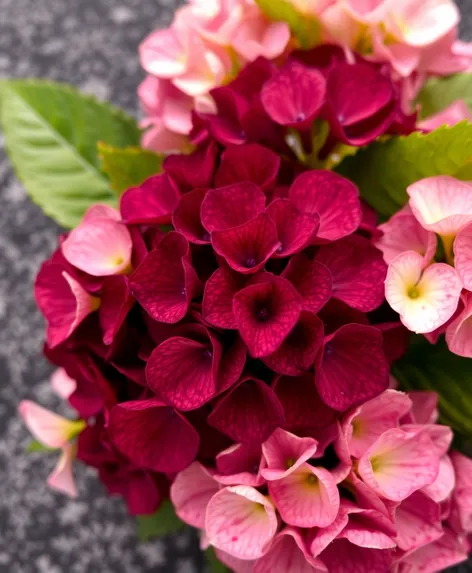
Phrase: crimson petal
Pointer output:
(265, 313)
(352, 367)
(217, 306)
(298, 351)
(194, 170)
(311, 279)
(231, 206)
(294, 95)
(249, 413)
(151, 203)
(333, 197)
(186, 217)
(248, 247)
(117, 301)
(358, 272)
(165, 282)
(251, 162)
(153, 436)
(294, 228)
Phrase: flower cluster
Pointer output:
(432, 297)
(378, 493)
(209, 41)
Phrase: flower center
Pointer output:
(250, 262)
(262, 314)
(414, 292)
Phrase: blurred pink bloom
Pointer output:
(456, 112)
(424, 299)
(256, 36)
(463, 255)
(61, 478)
(459, 332)
(62, 384)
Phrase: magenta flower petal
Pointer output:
(240, 521)
(285, 452)
(249, 413)
(294, 228)
(165, 282)
(307, 497)
(418, 522)
(334, 198)
(302, 404)
(151, 203)
(186, 217)
(240, 464)
(231, 206)
(266, 313)
(358, 272)
(191, 492)
(298, 351)
(63, 302)
(250, 162)
(153, 436)
(341, 556)
(217, 305)
(117, 301)
(294, 95)
(248, 247)
(194, 170)
(188, 372)
(311, 279)
(340, 385)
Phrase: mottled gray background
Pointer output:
(92, 44)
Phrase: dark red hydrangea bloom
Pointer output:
(262, 306)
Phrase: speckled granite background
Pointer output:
(92, 44)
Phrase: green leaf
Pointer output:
(305, 28)
(35, 446)
(163, 522)
(214, 566)
(383, 170)
(128, 167)
(51, 134)
(434, 367)
(439, 93)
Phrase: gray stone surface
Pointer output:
(92, 44)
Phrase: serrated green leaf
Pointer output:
(51, 135)
(303, 27)
(383, 170)
(214, 566)
(435, 367)
(163, 522)
(35, 446)
(439, 93)
(129, 166)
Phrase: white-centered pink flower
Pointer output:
(399, 463)
(425, 299)
(463, 255)
(459, 332)
(100, 246)
(241, 521)
(401, 233)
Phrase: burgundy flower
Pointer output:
(218, 297)
(117, 301)
(249, 413)
(153, 435)
(165, 282)
(186, 218)
(266, 312)
(294, 95)
(194, 171)
(188, 370)
(352, 367)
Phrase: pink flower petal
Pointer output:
(463, 256)
(341, 387)
(151, 203)
(425, 300)
(236, 565)
(334, 198)
(294, 96)
(241, 522)
(370, 529)
(48, 428)
(425, 407)
(441, 488)
(284, 453)
(265, 313)
(62, 384)
(312, 280)
(240, 464)
(399, 463)
(461, 513)
(249, 413)
(62, 479)
(418, 522)
(454, 113)
(153, 436)
(307, 497)
(250, 162)
(165, 282)
(358, 272)
(373, 418)
(162, 53)
(231, 206)
(441, 204)
(256, 37)
(191, 492)
(217, 305)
